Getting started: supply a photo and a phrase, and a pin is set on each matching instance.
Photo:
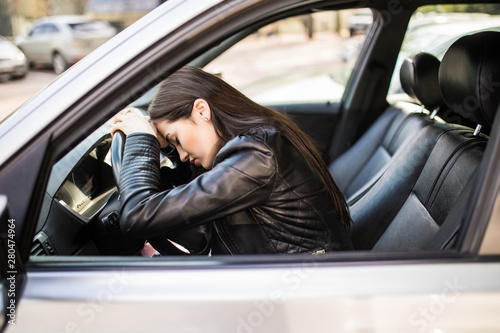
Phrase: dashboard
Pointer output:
(85, 191)
(80, 186)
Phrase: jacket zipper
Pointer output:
(221, 235)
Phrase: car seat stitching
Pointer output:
(467, 146)
(444, 166)
(399, 130)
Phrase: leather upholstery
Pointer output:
(414, 204)
(419, 79)
(411, 201)
(255, 198)
(357, 169)
(472, 91)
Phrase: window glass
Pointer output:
(300, 59)
(433, 29)
(50, 28)
(36, 30)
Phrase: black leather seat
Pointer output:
(357, 169)
(414, 204)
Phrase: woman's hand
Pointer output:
(132, 121)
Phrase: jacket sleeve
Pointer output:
(243, 176)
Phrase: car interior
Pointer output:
(407, 172)
(428, 177)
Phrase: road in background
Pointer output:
(13, 93)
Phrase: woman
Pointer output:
(266, 188)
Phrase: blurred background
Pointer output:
(284, 61)
(42, 38)
(18, 16)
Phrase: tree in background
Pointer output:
(5, 21)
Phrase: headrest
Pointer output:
(419, 79)
(469, 77)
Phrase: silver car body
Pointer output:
(292, 298)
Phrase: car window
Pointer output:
(89, 26)
(300, 59)
(296, 71)
(36, 30)
(433, 29)
(50, 28)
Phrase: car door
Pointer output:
(351, 292)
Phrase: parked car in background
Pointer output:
(12, 60)
(61, 41)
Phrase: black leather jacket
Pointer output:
(261, 196)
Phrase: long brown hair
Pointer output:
(235, 114)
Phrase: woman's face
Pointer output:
(194, 138)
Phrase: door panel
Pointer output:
(305, 297)
(20, 181)
(318, 120)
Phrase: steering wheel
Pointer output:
(196, 240)
(117, 146)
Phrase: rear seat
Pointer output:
(357, 169)
(414, 204)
